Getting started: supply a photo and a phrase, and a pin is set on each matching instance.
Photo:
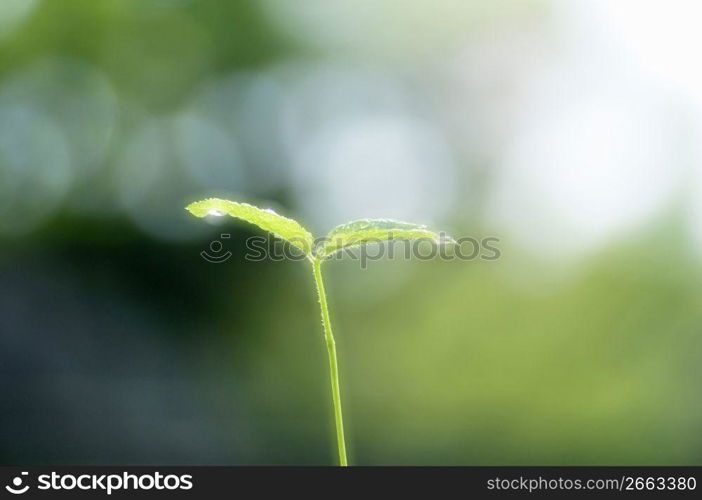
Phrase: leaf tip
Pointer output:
(204, 207)
(194, 210)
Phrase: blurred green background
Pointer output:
(569, 130)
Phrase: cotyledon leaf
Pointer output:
(364, 231)
(266, 219)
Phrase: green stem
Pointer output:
(333, 367)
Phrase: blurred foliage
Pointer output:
(461, 366)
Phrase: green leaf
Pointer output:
(364, 231)
(266, 219)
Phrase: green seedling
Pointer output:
(352, 234)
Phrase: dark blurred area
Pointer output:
(568, 130)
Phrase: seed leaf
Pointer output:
(266, 219)
(364, 231)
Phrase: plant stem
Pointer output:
(333, 367)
